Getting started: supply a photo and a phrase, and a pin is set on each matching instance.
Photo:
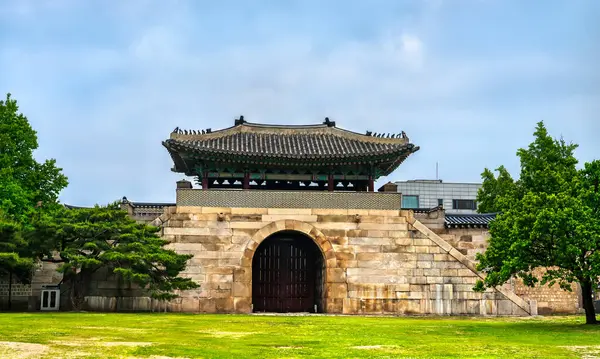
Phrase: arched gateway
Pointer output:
(288, 274)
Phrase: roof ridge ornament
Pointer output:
(328, 122)
(239, 121)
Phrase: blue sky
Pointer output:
(104, 82)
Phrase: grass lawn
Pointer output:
(95, 335)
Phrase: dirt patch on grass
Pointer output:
(367, 347)
(228, 334)
(586, 351)
(157, 357)
(128, 329)
(19, 350)
(126, 344)
(98, 342)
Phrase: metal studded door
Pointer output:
(283, 275)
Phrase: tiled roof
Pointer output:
(147, 204)
(324, 144)
(133, 204)
(468, 220)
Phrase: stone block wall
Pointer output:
(550, 300)
(377, 261)
(26, 296)
(470, 241)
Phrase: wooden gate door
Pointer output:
(283, 275)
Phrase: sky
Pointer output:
(104, 82)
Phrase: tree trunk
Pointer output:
(77, 294)
(588, 302)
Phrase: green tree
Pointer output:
(24, 183)
(549, 220)
(16, 259)
(492, 188)
(86, 240)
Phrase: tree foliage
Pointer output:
(492, 188)
(24, 183)
(86, 240)
(548, 231)
(16, 258)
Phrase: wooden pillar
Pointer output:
(330, 183)
(371, 184)
(205, 180)
(246, 182)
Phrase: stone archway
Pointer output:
(273, 230)
(290, 225)
(288, 272)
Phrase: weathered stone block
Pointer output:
(181, 216)
(334, 305)
(424, 264)
(186, 231)
(245, 211)
(342, 241)
(242, 274)
(404, 235)
(224, 305)
(289, 211)
(386, 213)
(332, 225)
(242, 289)
(368, 241)
(442, 257)
(296, 217)
(246, 225)
(464, 272)
(505, 307)
(340, 256)
(185, 209)
(242, 305)
(377, 234)
(425, 257)
(207, 305)
(347, 263)
(224, 210)
(422, 249)
(219, 270)
(326, 212)
(240, 239)
(246, 217)
(220, 278)
(449, 272)
(334, 232)
(366, 248)
(369, 256)
(335, 218)
(435, 280)
(336, 290)
(230, 262)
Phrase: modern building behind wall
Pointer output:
(459, 198)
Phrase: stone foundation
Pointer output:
(376, 261)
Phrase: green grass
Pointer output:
(95, 335)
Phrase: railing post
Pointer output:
(204, 180)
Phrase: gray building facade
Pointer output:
(459, 198)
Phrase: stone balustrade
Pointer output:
(288, 199)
